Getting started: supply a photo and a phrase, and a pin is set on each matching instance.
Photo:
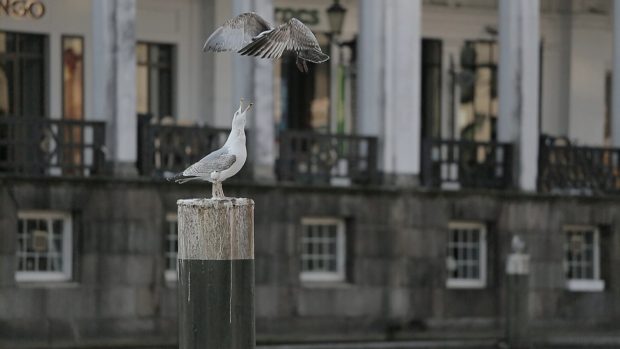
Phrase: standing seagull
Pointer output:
(251, 35)
(223, 163)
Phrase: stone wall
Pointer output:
(396, 247)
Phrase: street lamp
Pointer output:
(335, 15)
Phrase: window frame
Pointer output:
(596, 283)
(469, 283)
(19, 56)
(63, 91)
(66, 274)
(171, 275)
(324, 276)
(149, 65)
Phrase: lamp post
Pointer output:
(335, 15)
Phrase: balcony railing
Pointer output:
(313, 158)
(454, 164)
(564, 168)
(42, 147)
(169, 148)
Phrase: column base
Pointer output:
(401, 180)
(123, 169)
(264, 173)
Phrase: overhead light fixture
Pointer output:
(335, 15)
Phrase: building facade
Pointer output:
(389, 181)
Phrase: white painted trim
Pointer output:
(67, 248)
(465, 283)
(587, 285)
(323, 276)
(481, 281)
(169, 274)
(578, 285)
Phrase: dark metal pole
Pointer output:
(518, 270)
(216, 274)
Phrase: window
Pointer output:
(155, 79)
(44, 246)
(582, 258)
(431, 88)
(303, 101)
(322, 249)
(72, 100)
(171, 247)
(22, 90)
(467, 255)
(22, 74)
(478, 108)
(73, 77)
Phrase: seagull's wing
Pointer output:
(292, 36)
(216, 161)
(236, 32)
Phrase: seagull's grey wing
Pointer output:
(236, 32)
(218, 160)
(292, 36)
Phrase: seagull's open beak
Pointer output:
(248, 108)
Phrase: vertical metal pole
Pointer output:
(216, 273)
(518, 270)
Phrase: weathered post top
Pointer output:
(216, 273)
(216, 229)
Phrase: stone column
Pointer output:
(242, 81)
(615, 98)
(389, 84)
(114, 80)
(519, 41)
(401, 144)
(370, 68)
(262, 132)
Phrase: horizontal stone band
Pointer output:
(216, 229)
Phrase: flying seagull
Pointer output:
(251, 35)
(223, 163)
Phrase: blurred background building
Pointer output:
(388, 181)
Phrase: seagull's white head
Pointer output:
(239, 117)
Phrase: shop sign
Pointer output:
(22, 8)
(310, 17)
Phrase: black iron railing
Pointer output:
(466, 164)
(165, 148)
(313, 158)
(565, 168)
(42, 147)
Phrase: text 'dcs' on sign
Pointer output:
(22, 8)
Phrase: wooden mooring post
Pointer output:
(216, 273)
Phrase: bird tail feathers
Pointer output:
(181, 178)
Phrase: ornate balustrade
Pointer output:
(455, 164)
(569, 169)
(42, 147)
(313, 158)
(170, 148)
